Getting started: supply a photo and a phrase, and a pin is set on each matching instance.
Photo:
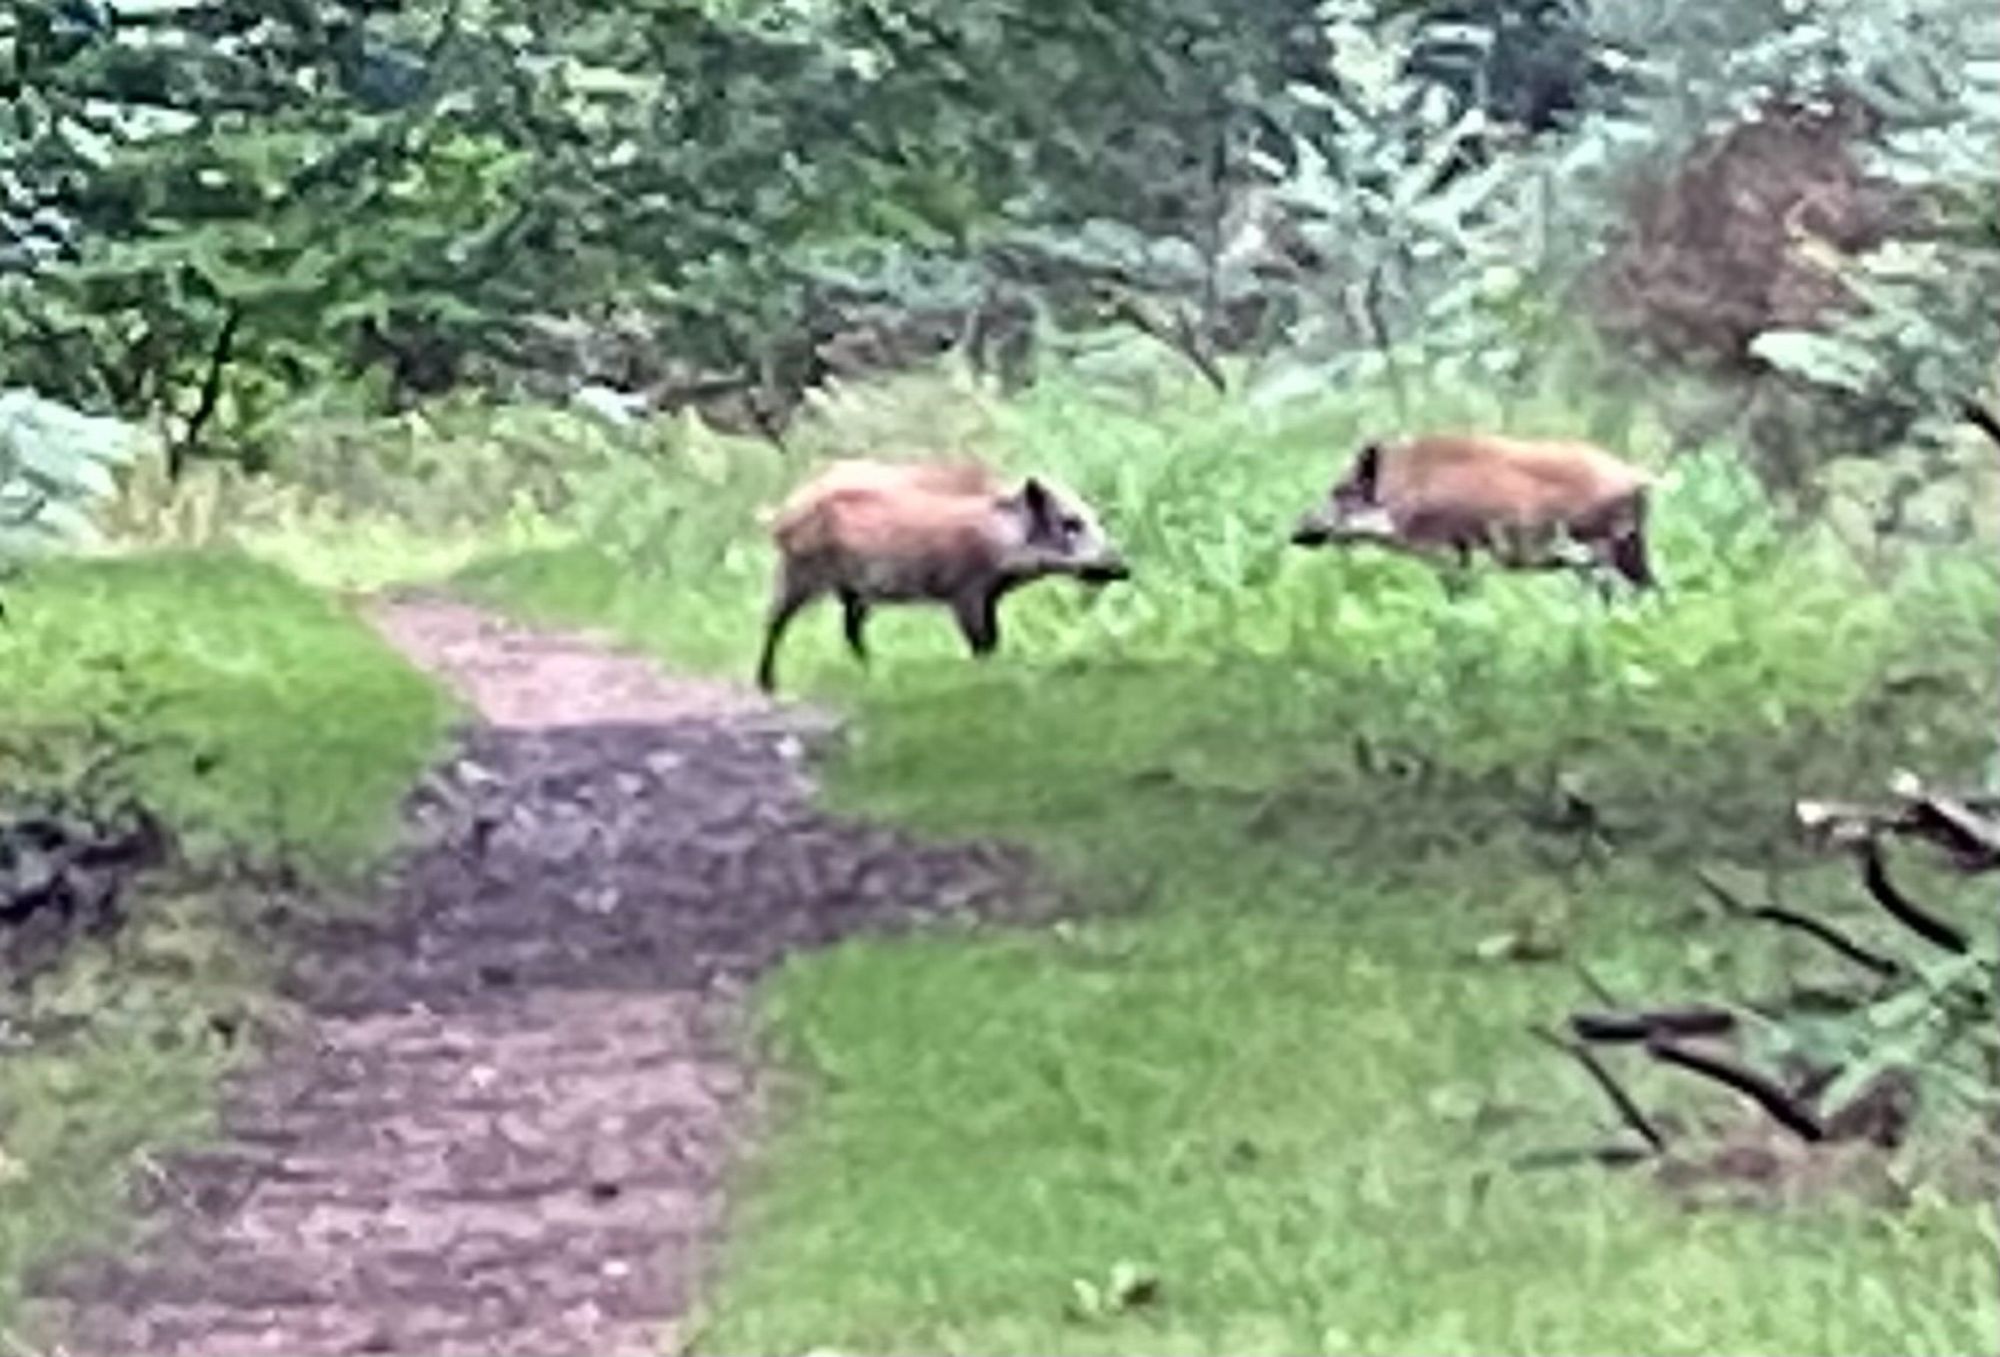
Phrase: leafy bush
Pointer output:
(1916, 341)
(1824, 254)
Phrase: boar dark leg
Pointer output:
(1629, 558)
(790, 596)
(978, 617)
(854, 623)
(1624, 556)
(1626, 552)
(1456, 575)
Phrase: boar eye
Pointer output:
(1070, 524)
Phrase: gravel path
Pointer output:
(508, 1123)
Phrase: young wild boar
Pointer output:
(1522, 500)
(880, 532)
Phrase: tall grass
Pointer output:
(1762, 624)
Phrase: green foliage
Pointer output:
(1282, 1093)
(206, 211)
(1202, 492)
(1898, 337)
(1920, 338)
(315, 726)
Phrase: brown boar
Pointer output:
(949, 534)
(1529, 503)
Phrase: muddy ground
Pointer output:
(506, 1125)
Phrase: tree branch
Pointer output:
(1694, 1021)
(1981, 416)
(1783, 1108)
(1180, 336)
(211, 394)
(1877, 962)
(1905, 911)
(1628, 1110)
(1965, 826)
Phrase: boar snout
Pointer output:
(1344, 523)
(1310, 532)
(1318, 526)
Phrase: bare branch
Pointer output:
(1877, 962)
(1598, 989)
(219, 354)
(1965, 826)
(24, 510)
(1928, 926)
(1646, 1024)
(1628, 1110)
(1179, 335)
(756, 388)
(1981, 416)
(1783, 1108)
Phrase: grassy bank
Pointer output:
(1301, 792)
(1279, 1078)
(279, 726)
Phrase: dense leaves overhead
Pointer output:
(208, 206)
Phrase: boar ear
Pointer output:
(1040, 504)
(1367, 469)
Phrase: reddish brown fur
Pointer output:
(1444, 487)
(852, 474)
(1511, 496)
(875, 532)
(888, 528)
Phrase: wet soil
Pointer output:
(507, 1123)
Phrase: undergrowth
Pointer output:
(261, 724)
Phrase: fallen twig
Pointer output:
(1628, 1110)
(1693, 1021)
(1178, 334)
(1928, 926)
(1783, 1108)
(1978, 414)
(1965, 826)
(1880, 963)
(1598, 989)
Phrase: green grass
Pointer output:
(1257, 1077)
(313, 728)
(314, 725)
(1255, 1068)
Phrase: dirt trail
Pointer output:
(506, 1126)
